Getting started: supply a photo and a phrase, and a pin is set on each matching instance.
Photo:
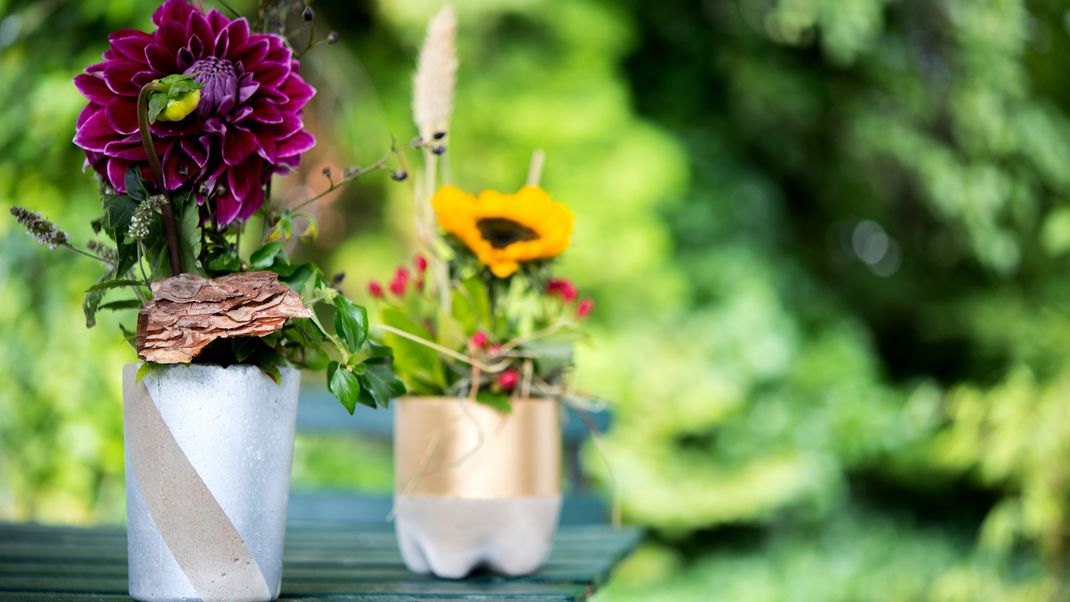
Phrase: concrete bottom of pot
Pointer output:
(449, 537)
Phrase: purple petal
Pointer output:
(86, 113)
(254, 51)
(298, 90)
(198, 26)
(226, 208)
(196, 149)
(122, 115)
(272, 74)
(116, 170)
(172, 11)
(300, 142)
(95, 133)
(217, 20)
(159, 59)
(120, 75)
(266, 148)
(238, 144)
(93, 88)
(130, 43)
(244, 179)
(250, 205)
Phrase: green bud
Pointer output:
(174, 97)
(178, 109)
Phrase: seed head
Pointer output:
(39, 228)
(142, 218)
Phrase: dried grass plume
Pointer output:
(436, 75)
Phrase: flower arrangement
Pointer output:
(480, 315)
(186, 127)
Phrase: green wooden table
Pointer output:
(321, 563)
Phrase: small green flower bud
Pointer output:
(179, 108)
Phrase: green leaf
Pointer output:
(144, 370)
(116, 221)
(92, 301)
(498, 401)
(471, 305)
(135, 186)
(283, 228)
(343, 385)
(123, 304)
(227, 261)
(189, 232)
(299, 278)
(272, 372)
(262, 258)
(303, 331)
(312, 231)
(380, 385)
(351, 323)
(418, 365)
(157, 103)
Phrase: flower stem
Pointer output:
(86, 253)
(170, 232)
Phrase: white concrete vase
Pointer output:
(474, 486)
(208, 457)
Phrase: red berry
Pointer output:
(397, 286)
(401, 274)
(508, 379)
(478, 340)
(562, 288)
(584, 308)
(421, 263)
(375, 289)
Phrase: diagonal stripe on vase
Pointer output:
(208, 457)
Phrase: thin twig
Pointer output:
(395, 151)
(86, 253)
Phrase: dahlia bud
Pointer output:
(420, 262)
(178, 96)
(478, 341)
(375, 289)
(584, 308)
(332, 37)
(508, 379)
(307, 14)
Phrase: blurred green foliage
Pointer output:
(827, 238)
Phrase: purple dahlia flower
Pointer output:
(246, 126)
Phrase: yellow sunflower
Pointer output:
(505, 230)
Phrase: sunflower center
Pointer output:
(501, 232)
(220, 92)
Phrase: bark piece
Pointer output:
(187, 312)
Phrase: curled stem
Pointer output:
(170, 231)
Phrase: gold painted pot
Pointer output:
(475, 486)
